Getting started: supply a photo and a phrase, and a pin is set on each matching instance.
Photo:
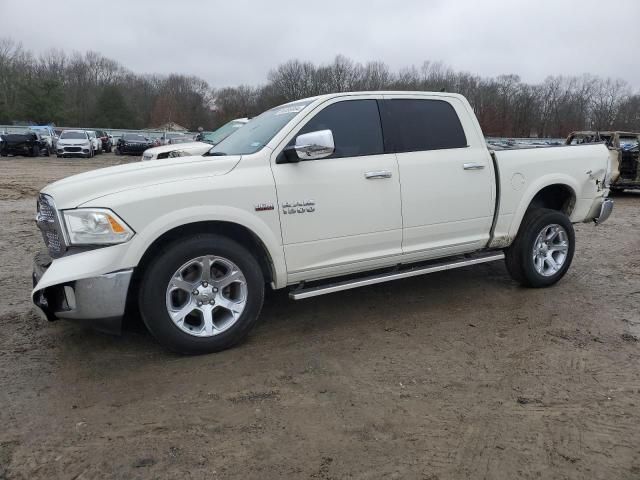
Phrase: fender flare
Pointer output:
(533, 190)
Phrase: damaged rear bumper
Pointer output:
(605, 211)
(99, 300)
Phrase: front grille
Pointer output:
(72, 149)
(49, 224)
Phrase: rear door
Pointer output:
(446, 174)
(341, 213)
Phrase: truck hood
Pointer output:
(76, 190)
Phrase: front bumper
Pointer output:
(73, 150)
(98, 300)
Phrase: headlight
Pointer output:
(95, 226)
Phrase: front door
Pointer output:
(340, 213)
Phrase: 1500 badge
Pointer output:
(307, 206)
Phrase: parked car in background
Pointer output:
(132, 144)
(29, 144)
(105, 140)
(96, 143)
(74, 143)
(224, 131)
(176, 150)
(179, 140)
(194, 148)
(166, 137)
(624, 155)
(47, 134)
(324, 194)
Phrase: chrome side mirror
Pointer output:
(315, 145)
(308, 146)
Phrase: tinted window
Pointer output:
(355, 125)
(414, 125)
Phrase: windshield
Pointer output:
(135, 137)
(73, 136)
(223, 132)
(259, 131)
(629, 140)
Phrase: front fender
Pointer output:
(178, 218)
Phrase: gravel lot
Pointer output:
(458, 374)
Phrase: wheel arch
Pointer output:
(554, 194)
(235, 231)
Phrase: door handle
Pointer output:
(377, 174)
(472, 166)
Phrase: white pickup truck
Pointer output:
(319, 195)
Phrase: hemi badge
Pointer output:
(261, 207)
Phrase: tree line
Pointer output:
(91, 90)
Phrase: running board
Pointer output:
(301, 292)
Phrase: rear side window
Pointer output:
(355, 125)
(413, 125)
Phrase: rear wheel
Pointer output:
(543, 249)
(201, 295)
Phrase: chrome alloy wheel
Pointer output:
(206, 296)
(550, 250)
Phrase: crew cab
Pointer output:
(319, 195)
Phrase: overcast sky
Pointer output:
(236, 41)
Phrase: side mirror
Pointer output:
(309, 146)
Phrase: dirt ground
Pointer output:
(458, 374)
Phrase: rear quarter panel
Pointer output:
(524, 172)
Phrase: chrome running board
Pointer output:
(302, 292)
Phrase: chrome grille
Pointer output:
(48, 223)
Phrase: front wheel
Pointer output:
(543, 249)
(201, 295)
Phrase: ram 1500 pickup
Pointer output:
(319, 195)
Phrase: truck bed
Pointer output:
(522, 172)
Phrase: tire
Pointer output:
(190, 335)
(117, 151)
(528, 261)
(35, 152)
(59, 156)
(47, 152)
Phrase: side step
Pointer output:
(301, 292)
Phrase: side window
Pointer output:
(355, 125)
(415, 125)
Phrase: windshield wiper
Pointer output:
(216, 154)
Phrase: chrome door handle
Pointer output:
(377, 174)
(472, 166)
